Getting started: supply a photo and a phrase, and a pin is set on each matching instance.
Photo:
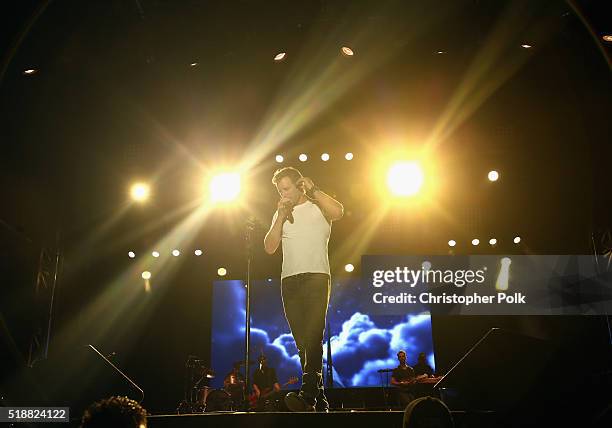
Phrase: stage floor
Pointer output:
(333, 419)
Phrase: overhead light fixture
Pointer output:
(29, 71)
(303, 157)
(607, 37)
(280, 158)
(131, 255)
(526, 46)
(452, 243)
(194, 64)
(325, 157)
(349, 267)
(280, 56)
(492, 241)
(348, 156)
(346, 51)
(155, 254)
(475, 241)
(198, 252)
(176, 253)
(493, 176)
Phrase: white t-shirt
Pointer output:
(305, 241)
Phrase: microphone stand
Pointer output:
(250, 227)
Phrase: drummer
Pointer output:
(234, 384)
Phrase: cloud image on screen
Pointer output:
(361, 343)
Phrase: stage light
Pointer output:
(349, 267)
(303, 157)
(348, 156)
(517, 239)
(279, 158)
(452, 243)
(131, 255)
(155, 254)
(140, 192)
(607, 37)
(475, 241)
(501, 284)
(280, 56)
(405, 178)
(198, 252)
(526, 46)
(29, 71)
(492, 241)
(176, 253)
(346, 51)
(493, 175)
(225, 187)
(325, 157)
(221, 271)
(146, 275)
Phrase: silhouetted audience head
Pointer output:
(115, 412)
(427, 412)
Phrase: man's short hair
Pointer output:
(401, 351)
(287, 171)
(119, 412)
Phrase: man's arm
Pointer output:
(275, 234)
(332, 209)
(257, 390)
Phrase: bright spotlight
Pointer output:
(221, 271)
(349, 267)
(140, 192)
(475, 241)
(131, 255)
(155, 254)
(303, 157)
(279, 158)
(348, 156)
(526, 46)
(146, 275)
(225, 187)
(405, 178)
(176, 253)
(325, 157)
(346, 51)
(517, 239)
(198, 252)
(280, 56)
(492, 241)
(493, 176)
(452, 243)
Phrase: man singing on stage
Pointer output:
(302, 223)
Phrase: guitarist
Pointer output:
(265, 384)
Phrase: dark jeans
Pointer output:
(305, 300)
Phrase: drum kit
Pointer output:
(199, 397)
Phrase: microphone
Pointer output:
(289, 207)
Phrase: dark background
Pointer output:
(115, 99)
